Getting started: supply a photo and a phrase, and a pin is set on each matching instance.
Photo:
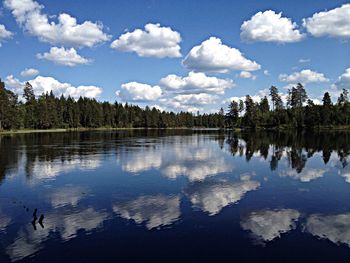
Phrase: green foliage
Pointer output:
(49, 112)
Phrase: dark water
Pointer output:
(175, 196)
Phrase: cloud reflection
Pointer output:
(68, 195)
(155, 211)
(266, 225)
(213, 196)
(66, 223)
(192, 157)
(306, 175)
(335, 228)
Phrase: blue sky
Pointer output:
(194, 55)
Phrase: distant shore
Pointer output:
(26, 131)
(281, 128)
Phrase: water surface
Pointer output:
(175, 196)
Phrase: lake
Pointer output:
(175, 196)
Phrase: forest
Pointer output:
(50, 112)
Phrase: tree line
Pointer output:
(298, 112)
(49, 112)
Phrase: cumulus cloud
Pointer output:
(4, 33)
(247, 75)
(212, 197)
(47, 84)
(62, 56)
(28, 72)
(269, 26)
(213, 56)
(66, 31)
(195, 83)
(332, 23)
(135, 91)
(154, 41)
(343, 81)
(14, 84)
(191, 102)
(154, 211)
(266, 225)
(335, 228)
(256, 97)
(304, 76)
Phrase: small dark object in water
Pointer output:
(41, 220)
(34, 223)
(34, 213)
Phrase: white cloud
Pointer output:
(266, 72)
(304, 76)
(247, 75)
(4, 33)
(332, 23)
(65, 31)
(266, 225)
(154, 41)
(196, 83)
(155, 211)
(335, 228)
(46, 84)
(14, 84)
(256, 97)
(28, 72)
(270, 27)
(135, 91)
(213, 56)
(191, 102)
(62, 56)
(212, 197)
(343, 81)
(304, 60)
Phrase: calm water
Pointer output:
(175, 196)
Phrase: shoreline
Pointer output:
(29, 131)
(273, 129)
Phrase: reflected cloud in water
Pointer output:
(155, 211)
(266, 225)
(335, 228)
(66, 223)
(191, 157)
(306, 175)
(41, 170)
(213, 196)
(68, 195)
(5, 220)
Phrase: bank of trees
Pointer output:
(48, 112)
(298, 112)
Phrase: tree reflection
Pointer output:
(298, 147)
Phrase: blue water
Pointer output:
(175, 196)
